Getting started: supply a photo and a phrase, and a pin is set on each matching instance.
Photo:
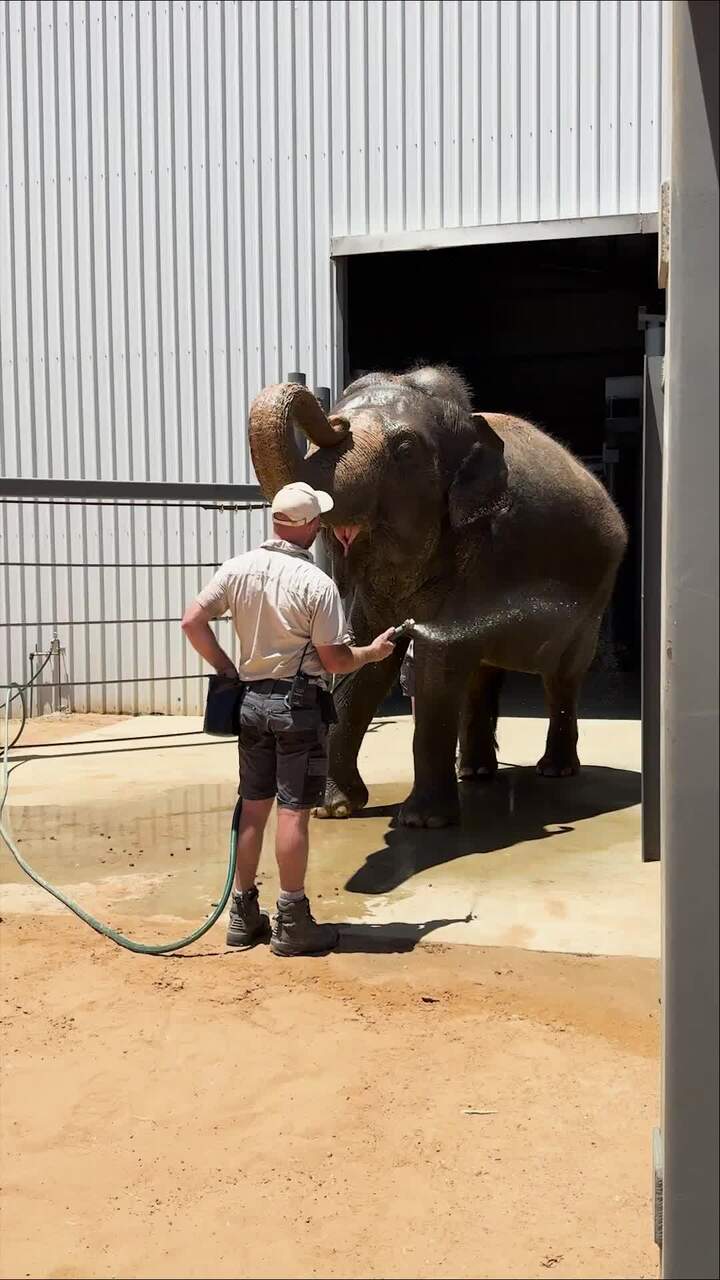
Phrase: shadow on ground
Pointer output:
(391, 938)
(516, 808)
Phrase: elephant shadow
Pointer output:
(516, 808)
(392, 939)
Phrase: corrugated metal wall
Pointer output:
(171, 175)
(462, 113)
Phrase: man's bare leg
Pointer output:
(291, 848)
(295, 932)
(247, 924)
(253, 821)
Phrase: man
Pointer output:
(289, 622)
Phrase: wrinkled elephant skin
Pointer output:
(490, 534)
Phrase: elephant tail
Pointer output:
(497, 685)
(483, 693)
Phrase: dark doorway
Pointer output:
(545, 330)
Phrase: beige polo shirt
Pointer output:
(279, 600)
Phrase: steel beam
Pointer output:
(690, 661)
(614, 224)
(141, 490)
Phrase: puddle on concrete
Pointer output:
(166, 856)
(162, 855)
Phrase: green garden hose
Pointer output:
(143, 948)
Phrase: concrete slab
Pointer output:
(553, 865)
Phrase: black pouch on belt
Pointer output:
(222, 707)
(327, 707)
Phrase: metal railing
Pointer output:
(104, 497)
(101, 496)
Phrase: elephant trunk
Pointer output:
(275, 415)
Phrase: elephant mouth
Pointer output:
(346, 535)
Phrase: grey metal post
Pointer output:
(322, 557)
(56, 670)
(690, 660)
(300, 438)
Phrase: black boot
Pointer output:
(248, 924)
(295, 933)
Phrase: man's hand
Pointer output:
(230, 672)
(342, 659)
(382, 646)
(196, 625)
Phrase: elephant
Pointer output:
(481, 527)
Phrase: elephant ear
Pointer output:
(479, 489)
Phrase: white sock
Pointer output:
(285, 897)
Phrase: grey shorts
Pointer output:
(283, 752)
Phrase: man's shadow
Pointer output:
(516, 807)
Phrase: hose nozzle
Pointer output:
(406, 628)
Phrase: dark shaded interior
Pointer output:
(536, 328)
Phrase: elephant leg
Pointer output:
(478, 725)
(434, 800)
(357, 701)
(562, 689)
(561, 759)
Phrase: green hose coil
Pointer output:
(141, 948)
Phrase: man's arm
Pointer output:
(196, 626)
(342, 659)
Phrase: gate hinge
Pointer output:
(664, 236)
(658, 1165)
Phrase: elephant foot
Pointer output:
(476, 773)
(438, 809)
(342, 801)
(565, 765)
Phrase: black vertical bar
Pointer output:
(651, 606)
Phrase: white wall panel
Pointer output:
(171, 177)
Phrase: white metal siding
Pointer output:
(171, 176)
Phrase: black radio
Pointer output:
(302, 693)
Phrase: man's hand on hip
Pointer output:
(196, 626)
(229, 672)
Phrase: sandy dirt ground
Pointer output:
(446, 1111)
(55, 728)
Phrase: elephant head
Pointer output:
(405, 459)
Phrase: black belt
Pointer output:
(274, 686)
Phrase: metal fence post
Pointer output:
(300, 437)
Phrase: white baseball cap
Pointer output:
(299, 504)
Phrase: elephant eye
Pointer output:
(404, 446)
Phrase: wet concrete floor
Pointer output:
(543, 864)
